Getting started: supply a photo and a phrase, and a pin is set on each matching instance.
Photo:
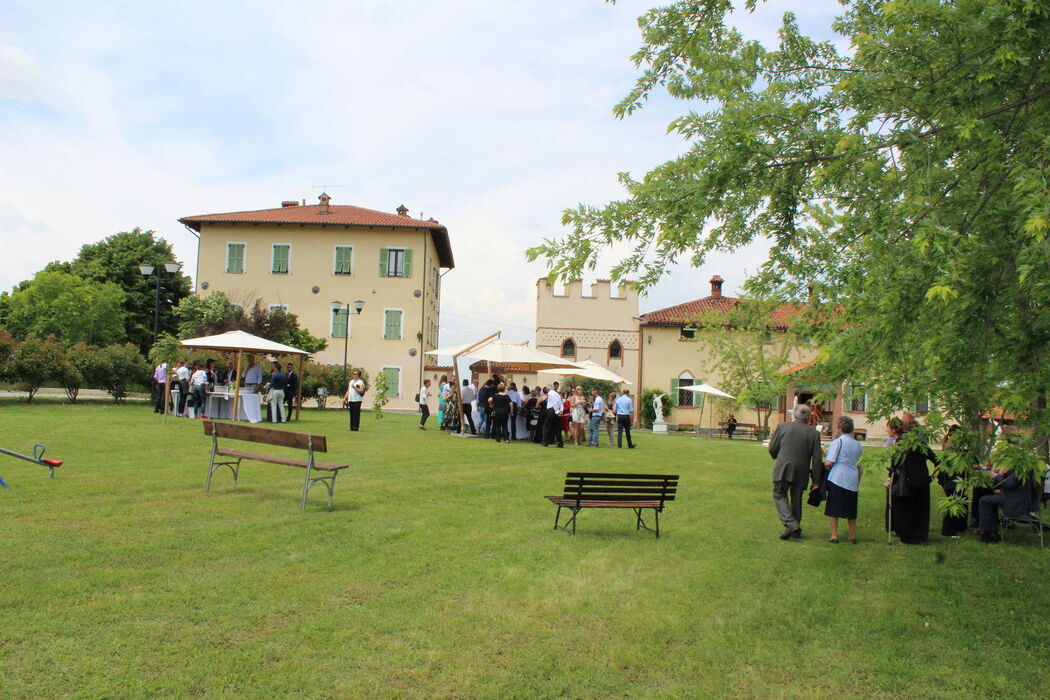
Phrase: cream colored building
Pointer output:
(601, 326)
(304, 258)
(673, 355)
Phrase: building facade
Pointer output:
(601, 326)
(303, 258)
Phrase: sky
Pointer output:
(490, 116)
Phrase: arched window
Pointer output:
(615, 350)
(684, 396)
(568, 348)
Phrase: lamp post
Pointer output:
(338, 306)
(172, 268)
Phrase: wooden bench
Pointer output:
(601, 490)
(272, 436)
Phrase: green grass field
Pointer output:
(438, 574)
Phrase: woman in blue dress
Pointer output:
(843, 459)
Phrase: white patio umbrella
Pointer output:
(706, 389)
(590, 370)
(238, 342)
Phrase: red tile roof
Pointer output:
(691, 311)
(338, 215)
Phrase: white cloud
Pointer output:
(491, 117)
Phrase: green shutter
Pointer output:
(393, 376)
(235, 257)
(392, 325)
(408, 262)
(280, 259)
(340, 323)
(382, 261)
(674, 392)
(343, 260)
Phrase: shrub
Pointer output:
(115, 368)
(35, 361)
(648, 415)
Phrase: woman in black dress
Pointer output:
(908, 504)
(501, 404)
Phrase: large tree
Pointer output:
(68, 307)
(117, 259)
(215, 313)
(907, 177)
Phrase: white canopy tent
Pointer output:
(239, 342)
(706, 389)
(588, 369)
(493, 349)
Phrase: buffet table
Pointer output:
(220, 405)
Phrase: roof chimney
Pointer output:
(289, 203)
(716, 287)
(402, 210)
(325, 199)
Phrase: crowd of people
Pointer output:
(834, 480)
(545, 415)
(191, 383)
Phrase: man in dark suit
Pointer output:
(1014, 496)
(796, 448)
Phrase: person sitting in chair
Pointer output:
(1011, 494)
(730, 426)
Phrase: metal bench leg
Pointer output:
(331, 489)
(638, 525)
(656, 514)
(235, 468)
(557, 516)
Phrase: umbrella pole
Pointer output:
(299, 390)
(237, 388)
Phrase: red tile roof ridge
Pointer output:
(343, 214)
(686, 312)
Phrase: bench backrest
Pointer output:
(598, 486)
(266, 436)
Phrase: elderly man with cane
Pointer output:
(796, 448)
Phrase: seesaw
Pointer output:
(37, 458)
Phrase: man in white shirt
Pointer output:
(424, 409)
(355, 394)
(515, 409)
(597, 409)
(253, 376)
(624, 410)
(182, 374)
(467, 396)
(199, 387)
(552, 423)
(160, 380)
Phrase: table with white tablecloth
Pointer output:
(220, 405)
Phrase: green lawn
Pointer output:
(437, 573)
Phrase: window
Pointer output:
(615, 350)
(683, 396)
(687, 333)
(568, 348)
(279, 259)
(393, 381)
(235, 258)
(392, 324)
(395, 262)
(858, 400)
(920, 407)
(341, 323)
(344, 260)
(278, 307)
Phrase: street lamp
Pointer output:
(172, 268)
(338, 306)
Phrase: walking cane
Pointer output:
(889, 513)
